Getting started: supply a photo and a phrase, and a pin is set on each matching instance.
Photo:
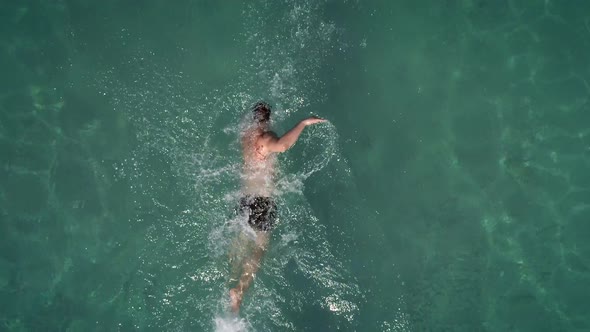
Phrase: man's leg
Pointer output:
(239, 250)
(249, 269)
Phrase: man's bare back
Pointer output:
(260, 146)
(258, 169)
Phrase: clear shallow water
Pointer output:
(448, 193)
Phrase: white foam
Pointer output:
(321, 145)
(230, 324)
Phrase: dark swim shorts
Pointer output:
(261, 212)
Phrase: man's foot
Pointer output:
(235, 299)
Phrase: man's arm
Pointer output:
(282, 144)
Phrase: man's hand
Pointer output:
(313, 120)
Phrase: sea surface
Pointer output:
(449, 191)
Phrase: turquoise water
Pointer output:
(449, 192)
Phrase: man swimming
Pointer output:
(260, 146)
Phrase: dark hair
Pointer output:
(261, 112)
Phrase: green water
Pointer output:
(449, 192)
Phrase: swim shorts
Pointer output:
(261, 212)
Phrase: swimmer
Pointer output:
(260, 146)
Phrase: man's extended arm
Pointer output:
(282, 144)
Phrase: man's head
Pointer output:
(261, 112)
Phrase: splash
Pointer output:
(321, 145)
(230, 324)
(186, 170)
